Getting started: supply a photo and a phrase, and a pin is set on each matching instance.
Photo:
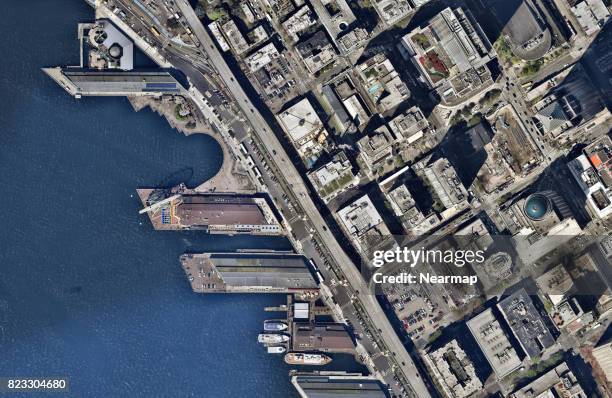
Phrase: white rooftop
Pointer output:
(494, 343)
(116, 37)
(300, 121)
(591, 15)
(360, 216)
(261, 57)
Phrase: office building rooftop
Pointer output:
(451, 51)
(360, 216)
(591, 15)
(364, 224)
(454, 371)
(529, 36)
(526, 323)
(593, 172)
(262, 57)
(335, 15)
(410, 125)
(558, 382)
(556, 284)
(316, 51)
(333, 177)
(304, 128)
(494, 343)
(444, 183)
(376, 147)
(392, 11)
(344, 120)
(299, 22)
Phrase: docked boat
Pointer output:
(274, 326)
(269, 338)
(276, 350)
(299, 358)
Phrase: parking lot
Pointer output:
(420, 315)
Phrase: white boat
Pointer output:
(276, 350)
(298, 358)
(268, 338)
(274, 326)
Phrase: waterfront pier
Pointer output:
(257, 272)
(217, 213)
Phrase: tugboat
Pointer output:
(274, 326)
(272, 338)
(299, 358)
(276, 350)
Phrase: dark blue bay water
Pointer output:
(87, 288)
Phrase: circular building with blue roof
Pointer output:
(537, 206)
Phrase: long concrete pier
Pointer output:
(85, 82)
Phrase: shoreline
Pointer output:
(231, 177)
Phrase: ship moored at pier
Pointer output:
(276, 349)
(304, 358)
(274, 326)
(272, 338)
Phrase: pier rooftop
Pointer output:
(332, 337)
(217, 213)
(266, 272)
(338, 385)
(78, 82)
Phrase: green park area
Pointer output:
(177, 113)
(216, 13)
(504, 53)
(421, 40)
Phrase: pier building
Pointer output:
(215, 213)
(331, 337)
(338, 384)
(86, 82)
(258, 272)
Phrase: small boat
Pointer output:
(274, 326)
(276, 350)
(299, 358)
(268, 338)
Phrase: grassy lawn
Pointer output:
(474, 120)
(504, 52)
(532, 67)
(421, 40)
(216, 13)
(177, 110)
(490, 97)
